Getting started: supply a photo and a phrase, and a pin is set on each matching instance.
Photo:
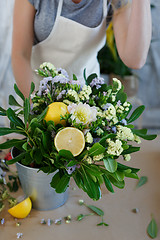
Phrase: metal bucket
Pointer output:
(36, 185)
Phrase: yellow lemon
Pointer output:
(55, 110)
(22, 209)
(71, 139)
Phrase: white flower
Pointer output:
(74, 94)
(88, 137)
(82, 113)
(124, 133)
(49, 65)
(98, 157)
(114, 148)
(119, 84)
(110, 112)
(99, 131)
(127, 157)
(137, 139)
(85, 93)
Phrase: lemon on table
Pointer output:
(22, 209)
(71, 139)
(54, 112)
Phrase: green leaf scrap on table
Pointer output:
(152, 228)
(143, 180)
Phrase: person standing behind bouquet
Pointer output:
(69, 34)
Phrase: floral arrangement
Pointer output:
(79, 130)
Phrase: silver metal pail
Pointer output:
(36, 185)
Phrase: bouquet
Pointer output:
(76, 130)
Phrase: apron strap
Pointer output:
(105, 8)
(59, 10)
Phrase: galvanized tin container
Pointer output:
(36, 185)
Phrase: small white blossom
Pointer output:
(127, 157)
(88, 137)
(73, 94)
(137, 139)
(124, 133)
(114, 148)
(99, 132)
(85, 93)
(98, 157)
(110, 112)
(118, 83)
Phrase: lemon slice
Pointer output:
(22, 209)
(71, 139)
(54, 112)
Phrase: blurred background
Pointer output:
(142, 86)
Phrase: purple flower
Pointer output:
(106, 106)
(2, 221)
(95, 140)
(123, 121)
(114, 130)
(97, 82)
(60, 79)
(60, 95)
(70, 170)
(119, 103)
(63, 72)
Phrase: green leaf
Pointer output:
(110, 164)
(11, 143)
(38, 156)
(62, 184)
(90, 187)
(42, 115)
(84, 74)
(152, 229)
(93, 170)
(26, 110)
(90, 78)
(13, 101)
(143, 134)
(136, 114)
(55, 180)
(14, 119)
(72, 163)
(96, 210)
(19, 93)
(103, 139)
(131, 175)
(122, 167)
(142, 181)
(96, 149)
(2, 111)
(130, 149)
(16, 159)
(6, 131)
(121, 95)
(32, 89)
(74, 77)
(66, 154)
(118, 184)
(108, 184)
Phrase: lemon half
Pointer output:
(22, 209)
(71, 139)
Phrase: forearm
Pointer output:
(135, 39)
(22, 73)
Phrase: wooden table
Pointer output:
(123, 223)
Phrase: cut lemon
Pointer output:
(55, 110)
(22, 209)
(71, 139)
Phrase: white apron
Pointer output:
(71, 46)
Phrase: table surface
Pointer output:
(117, 207)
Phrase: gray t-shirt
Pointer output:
(87, 12)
